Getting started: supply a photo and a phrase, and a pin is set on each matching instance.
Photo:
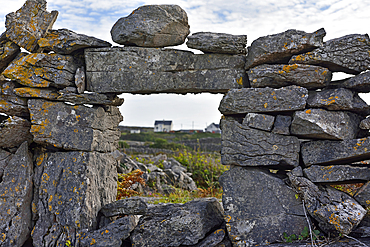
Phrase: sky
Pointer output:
(254, 18)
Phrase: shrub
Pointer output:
(125, 182)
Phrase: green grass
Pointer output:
(172, 136)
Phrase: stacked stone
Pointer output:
(72, 173)
(293, 117)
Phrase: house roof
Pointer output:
(165, 122)
(216, 125)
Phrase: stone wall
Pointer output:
(288, 131)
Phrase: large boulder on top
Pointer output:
(30, 23)
(349, 54)
(64, 41)
(152, 26)
(278, 48)
(218, 43)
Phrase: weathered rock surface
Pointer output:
(359, 83)
(148, 70)
(363, 195)
(110, 235)
(323, 124)
(212, 240)
(43, 70)
(245, 146)
(16, 191)
(335, 152)
(32, 92)
(278, 48)
(5, 156)
(30, 23)
(338, 100)
(334, 210)
(64, 41)
(70, 189)
(365, 124)
(74, 127)
(10, 103)
(259, 121)
(259, 207)
(349, 54)
(152, 26)
(336, 173)
(280, 75)
(80, 80)
(14, 131)
(246, 100)
(129, 206)
(209, 42)
(282, 125)
(8, 51)
(178, 224)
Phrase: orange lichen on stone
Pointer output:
(308, 111)
(240, 81)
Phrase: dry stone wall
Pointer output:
(288, 132)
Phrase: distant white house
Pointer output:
(162, 126)
(213, 128)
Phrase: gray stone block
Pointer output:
(336, 173)
(8, 51)
(359, 83)
(259, 121)
(282, 125)
(14, 131)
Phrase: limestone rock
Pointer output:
(246, 100)
(70, 189)
(80, 80)
(359, 83)
(322, 124)
(5, 156)
(335, 152)
(282, 125)
(336, 173)
(10, 103)
(365, 124)
(16, 189)
(148, 70)
(110, 235)
(259, 207)
(14, 131)
(64, 41)
(74, 127)
(129, 206)
(32, 92)
(259, 121)
(245, 146)
(209, 42)
(90, 98)
(152, 26)
(280, 75)
(8, 51)
(363, 195)
(43, 70)
(278, 48)
(30, 23)
(178, 224)
(334, 210)
(339, 99)
(213, 239)
(349, 54)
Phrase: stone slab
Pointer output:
(11, 104)
(14, 131)
(149, 70)
(359, 83)
(8, 51)
(259, 121)
(336, 173)
(282, 125)
(260, 100)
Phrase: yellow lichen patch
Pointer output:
(92, 242)
(240, 81)
(3, 237)
(265, 105)
(288, 68)
(308, 111)
(45, 177)
(324, 72)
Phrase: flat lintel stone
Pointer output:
(153, 70)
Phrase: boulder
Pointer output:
(74, 127)
(322, 124)
(70, 189)
(14, 131)
(178, 224)
(335, 211)
(259, 207)
(259, 121)
(282, 125)
(16, 190)
(244, 146)
(110, 235)
(209, 42)
(80, 79)
(129, 206)
(149, 70)
(339, 99)
(336, 173)
(281, 75)
(278, 48)
(359, 83)
(365, 124)
(335, 152)
(10, 103)
(43, 70)
(152, 26)
(348, 54)
(245, 100)
(64, 41)
(29, 24)
(8, 51)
